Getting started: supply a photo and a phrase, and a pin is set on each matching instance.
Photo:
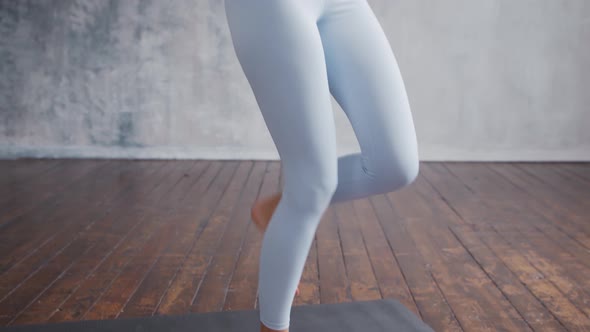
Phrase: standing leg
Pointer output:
(280, 50)
(365, 80)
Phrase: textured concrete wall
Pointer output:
(488, 80)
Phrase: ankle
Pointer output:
(263, 328)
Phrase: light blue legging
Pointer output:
(294, 53)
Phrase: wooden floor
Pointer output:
(467, 247)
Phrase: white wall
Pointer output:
(487, 80)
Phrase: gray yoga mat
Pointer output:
(365, 316)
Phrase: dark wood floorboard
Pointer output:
(466, 247)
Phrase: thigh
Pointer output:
(365, 80)
(279, 48)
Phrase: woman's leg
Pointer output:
(365, 80)
(278, 45)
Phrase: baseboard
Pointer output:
(427, 153)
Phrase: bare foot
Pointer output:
(266, 329)
(262, 211)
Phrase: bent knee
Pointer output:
(409, 172)
(395, 174)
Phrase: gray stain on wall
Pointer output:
(69, 76)
(125, 137)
